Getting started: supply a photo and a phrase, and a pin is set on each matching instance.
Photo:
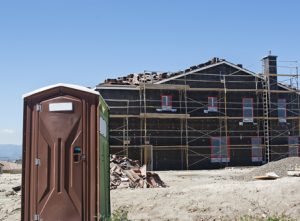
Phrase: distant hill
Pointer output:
(10, 152)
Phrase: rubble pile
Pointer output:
(127, 173)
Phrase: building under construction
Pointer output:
(210, 115)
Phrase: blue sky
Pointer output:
(84, 42)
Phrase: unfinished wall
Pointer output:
(182, 136)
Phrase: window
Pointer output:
(293, 146)
(256, 149)
(103, 127)
(212, 104)
(281, 104)
(247, 109)
(166, 102)
(219, 150)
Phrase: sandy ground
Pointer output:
(191, 195)
(10, 202)
(210, 195)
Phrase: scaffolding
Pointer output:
(264, 117)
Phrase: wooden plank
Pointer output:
(293, 173)
(164, 116)
(183, 116)
(165, 86)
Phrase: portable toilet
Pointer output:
(65, 152)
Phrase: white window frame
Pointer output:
(103, 127)
(281, 108)
(293, 146)
(212, 105)
(247, 119)
(166, 105)
(223, 147)
(256, 147)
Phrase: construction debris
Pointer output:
(149, 77)
(267, 176)
(17, 188)
(125, 172)
(294, 172)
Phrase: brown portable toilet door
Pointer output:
(60, 160)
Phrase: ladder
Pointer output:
(266, 99)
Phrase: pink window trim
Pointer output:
(227, 143)
(213, 102)
(169, 103)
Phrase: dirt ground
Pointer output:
(191, 195)
(10, 202)
(210, 195)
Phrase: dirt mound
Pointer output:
(279, 167)
(11, 167)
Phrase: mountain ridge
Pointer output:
(10, 152)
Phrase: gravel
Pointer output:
(279, 167)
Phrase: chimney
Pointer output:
(270, 70)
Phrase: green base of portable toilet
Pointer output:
(104, 161)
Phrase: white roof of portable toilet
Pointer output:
(72, 86)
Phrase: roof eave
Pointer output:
(209, 66)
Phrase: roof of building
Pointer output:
(133, 80)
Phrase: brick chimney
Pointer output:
(270, 68)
